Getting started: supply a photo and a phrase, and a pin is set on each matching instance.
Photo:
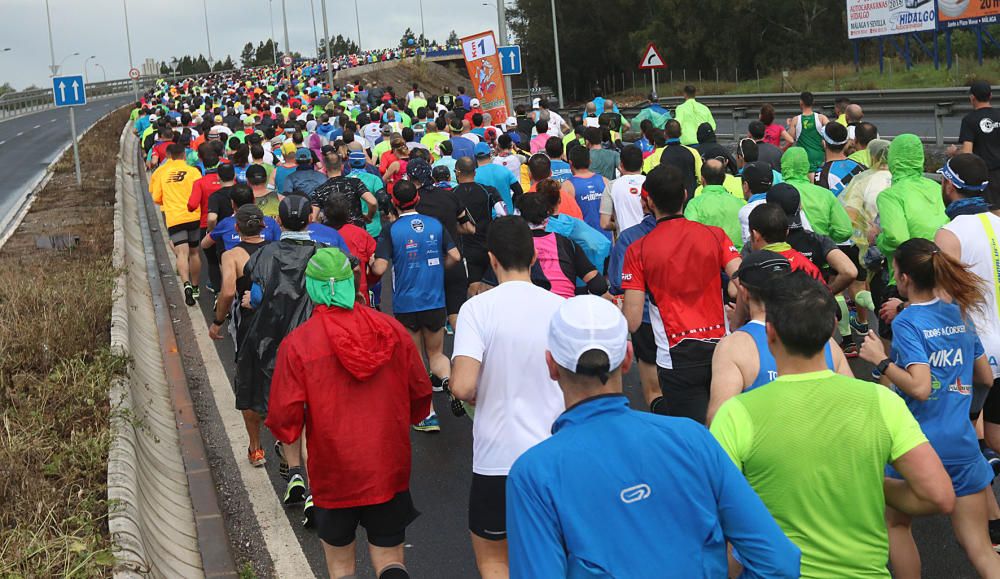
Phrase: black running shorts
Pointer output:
(644, 344)
(430, 320)
(488, 507)
(384, 523)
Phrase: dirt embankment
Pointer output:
(55, 371)
(400, 75)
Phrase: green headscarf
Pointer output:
(330, 279)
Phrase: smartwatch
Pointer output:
(883, 366)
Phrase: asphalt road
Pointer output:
(30, 143)
(438, 544)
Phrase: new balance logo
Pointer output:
(176, 176)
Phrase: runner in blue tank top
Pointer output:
(936, 356)
(588, 188)
(743, 360)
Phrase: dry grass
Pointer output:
(55, 372)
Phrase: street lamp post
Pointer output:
(104, 73)
(85, 75)
(128, 39)
(501, 7)
(52, 50)
(555, 41)
(274, 49)
(312, 10)
(423, 36)
(357, 20)
(208, 35)
(326, 35)
(288, 49)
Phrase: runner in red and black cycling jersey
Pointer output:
(678, 264)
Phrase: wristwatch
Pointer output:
(900, 307)
(883, 366)
(219, 323)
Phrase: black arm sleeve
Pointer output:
(516, 192)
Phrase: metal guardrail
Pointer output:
(14, 104)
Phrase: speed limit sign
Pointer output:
(133, 73)
(286, 60)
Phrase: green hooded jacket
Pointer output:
(716, 206)
(912, 206)
(825, 213)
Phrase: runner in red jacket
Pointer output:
(354, 378)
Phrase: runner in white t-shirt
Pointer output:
(498, 364)
(506, 157)
(621, 204)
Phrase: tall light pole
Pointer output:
(555, 41)
(357, 20)
(103, 72)
(284, 17)
(501, 7)
(326, 36)
(128, 39)
(274, 49)
(423, 36)
(52, 50)
(85, 61)
(312, 9)
(208, 35)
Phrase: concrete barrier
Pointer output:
(151, 517)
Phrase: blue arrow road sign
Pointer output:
(69, 91)
(510, 60)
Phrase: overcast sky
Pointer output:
(164, 28)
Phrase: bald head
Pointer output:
(854, 113)
(713, 172)
(465, 170)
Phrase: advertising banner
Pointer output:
(955, 13)
(483, 64)
(870, 18)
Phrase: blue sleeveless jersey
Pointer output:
(768, 368)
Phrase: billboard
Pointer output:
(483, 64)
(955, 13)
(870, 18)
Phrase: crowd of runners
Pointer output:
(559, 250)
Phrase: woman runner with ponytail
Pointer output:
(935, 358)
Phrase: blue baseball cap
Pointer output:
(482, 150)
(357, 158)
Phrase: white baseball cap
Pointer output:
(474, 103)
(585, 323)
(511, 122)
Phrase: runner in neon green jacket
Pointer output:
(825, 213)
(912, 206)
(717, 206)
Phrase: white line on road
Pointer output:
(19, 134)
(2, 142)
(283, 547)
(37, 127)
(52, 121)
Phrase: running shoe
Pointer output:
(448, 329)
(189, 294)
(295, 492)
(282, 463)
(308, 513)
(436, 383)
(860, 327)
(850, 348)
(256, 457)
(995, 534)
(196, 292)
(429, 424)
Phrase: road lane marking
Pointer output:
(52, 121)
(19, 134)
(2, 142)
